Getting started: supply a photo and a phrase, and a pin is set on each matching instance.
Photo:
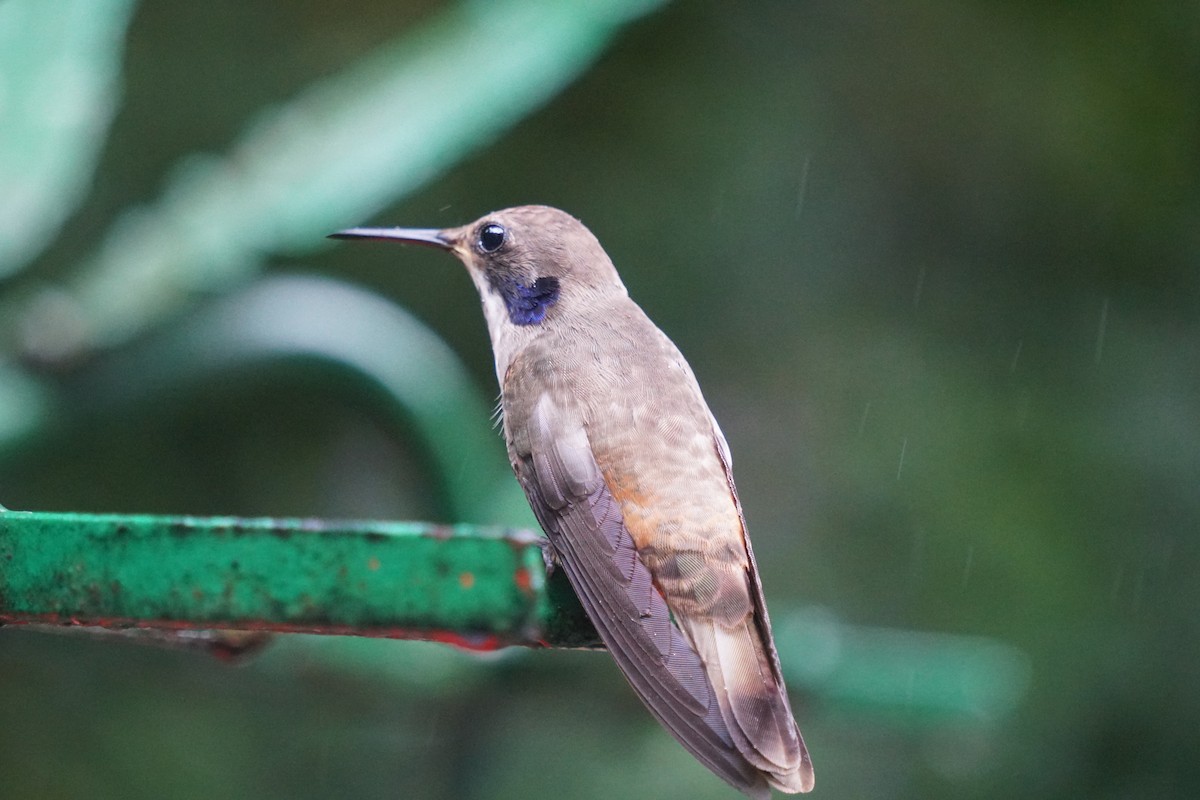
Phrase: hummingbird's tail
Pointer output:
(753, 700)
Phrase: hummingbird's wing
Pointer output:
(565, 487)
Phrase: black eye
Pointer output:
(491, 236)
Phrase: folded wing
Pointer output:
(587, 531)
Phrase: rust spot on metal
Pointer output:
(466, 579)
(373, 564)
(232, 646)
(485, 642)
(481, 643)
(523, 579)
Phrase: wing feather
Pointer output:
(587, 531)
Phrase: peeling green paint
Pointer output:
(475, 587)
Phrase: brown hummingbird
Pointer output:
(631, 478)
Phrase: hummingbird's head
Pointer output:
(523, 260)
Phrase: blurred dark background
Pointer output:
(935, 264)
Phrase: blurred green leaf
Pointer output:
(24, 406)
(378, 349)
(334, 155)
(59, 68)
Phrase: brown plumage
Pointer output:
(631, 479)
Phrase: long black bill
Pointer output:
(429, 237)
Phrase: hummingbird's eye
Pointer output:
(491, 236)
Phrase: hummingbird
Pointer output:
(631, 479)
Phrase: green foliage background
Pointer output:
(935, 264)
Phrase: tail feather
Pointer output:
(753, 701)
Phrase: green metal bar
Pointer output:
(479, 588)
(473, 587)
